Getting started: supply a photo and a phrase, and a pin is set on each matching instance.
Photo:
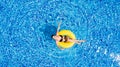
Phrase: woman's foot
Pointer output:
(79, 41)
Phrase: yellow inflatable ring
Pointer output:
(69, 34)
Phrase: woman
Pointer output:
(61, 38)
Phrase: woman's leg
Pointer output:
(76, 41)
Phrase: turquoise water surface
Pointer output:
(26, 27)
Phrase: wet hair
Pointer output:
(52, 36)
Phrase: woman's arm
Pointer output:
(59, 46)
(58, 28)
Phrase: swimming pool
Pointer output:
(26, 27)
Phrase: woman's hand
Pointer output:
(58, 26)
(59, 46)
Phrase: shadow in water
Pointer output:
(48, 31)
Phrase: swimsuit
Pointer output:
(63, 38)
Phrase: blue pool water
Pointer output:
(26, 27)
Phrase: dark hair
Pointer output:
(52, 36)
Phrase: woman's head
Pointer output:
(55, 37)
(52, 36)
